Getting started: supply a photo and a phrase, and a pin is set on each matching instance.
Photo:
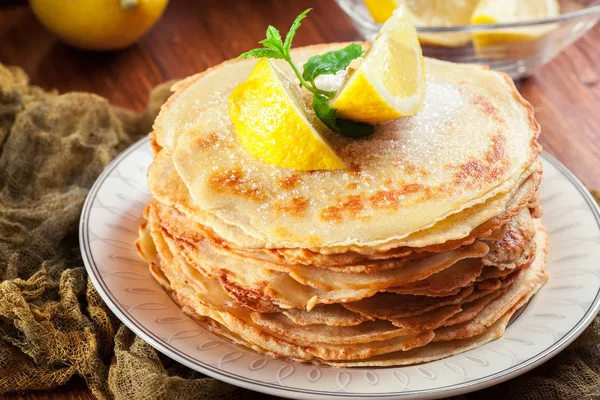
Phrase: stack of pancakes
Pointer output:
(424, 247)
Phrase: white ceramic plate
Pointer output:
(552, 320)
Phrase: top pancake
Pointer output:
(473, 140)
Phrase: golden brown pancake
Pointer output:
(424, 247)
(363, 342)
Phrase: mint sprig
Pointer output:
(275, 48)
(344, 127)
(329, 63)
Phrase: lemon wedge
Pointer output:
(271, 123)
(498, 42)
(429, 13)
(389, 82)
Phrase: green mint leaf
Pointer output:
(325, 113)
(273, 33)
(287, 45)
(260, 53)
(344, 127)
(354, 129)
(273, 40)
(330, 63)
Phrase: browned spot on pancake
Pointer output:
(469, 172)
(351, 186)
(284, 232)
(207, 141)
(313, 240)
(351, 205)
(477, 173)
(170, 221)
(436, 192)
(146, 212)
(254, 298)
(331, 214)
(391, 198)
(234, 182)
(385, 199)
(497, 152)
(513, 240)
(295, 207)
(156, 148)
(290, 182)
(536, 212)
(412, 169)
(355, 169)
(488, 108)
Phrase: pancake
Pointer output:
(424, 247)
(372, 331)
(470, 310)
(514, 248)
(459, 275)
(178, 225)
(483, 142)
(374, 342)
(460, 229)
(206, 298)
(177, 213)
(438, 275)
(519, 293)
(431, 352)
(333, 315)
(367, 330)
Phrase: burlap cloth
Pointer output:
(53, 324)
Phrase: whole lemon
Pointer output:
(98, 24)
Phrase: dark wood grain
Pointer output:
(566, 97)
(74, 390)
(194, 35)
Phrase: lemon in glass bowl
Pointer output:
(511, 36)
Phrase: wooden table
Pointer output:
(194, 35)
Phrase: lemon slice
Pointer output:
(271, 124)
(497, 43)
(389, 82)
(429, 13)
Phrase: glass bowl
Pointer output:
(514, 48)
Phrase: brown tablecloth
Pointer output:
(53, 324)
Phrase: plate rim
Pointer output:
(273, 389)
